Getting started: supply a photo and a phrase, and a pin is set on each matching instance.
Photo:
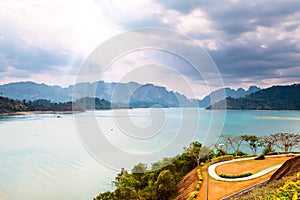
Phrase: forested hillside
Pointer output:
(273, 98)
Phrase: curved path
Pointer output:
(213, 174)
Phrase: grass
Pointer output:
(250, 166)
(264, 191)
(220, 189)
(261, 192)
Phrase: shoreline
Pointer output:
(39, 112)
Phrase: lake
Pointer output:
(43, 156)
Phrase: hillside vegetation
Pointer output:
(8, 105)
(273, 98)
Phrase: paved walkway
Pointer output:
(213, 174)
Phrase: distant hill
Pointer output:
(273, 98)
(124, 94)
(89, 103)
(8, 105)
(32, 91)
(217, 95)
(130, 94)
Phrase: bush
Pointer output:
(200, 180)
(272, 153)
(239, 153)
(290, 190)
(222, 158)
(261, 157)
(193, 195)
(235, 176)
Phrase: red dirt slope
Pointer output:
(289, 168)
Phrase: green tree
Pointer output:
(268, 142)
(120, 178)
(194, 150)
(235, 143)
(253, 142)
(165, 185)
(161, 164)
(126, 193)
(140, 168)
(106, 196)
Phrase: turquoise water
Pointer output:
(42, 156)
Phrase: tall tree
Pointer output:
(165, 185)
(253, 142)
(194, 150)
(120, 178)
(286, 141)
(140, 168)
(235, 142)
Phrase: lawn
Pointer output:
(250, 166)
(220, 189)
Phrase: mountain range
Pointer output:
(218, 95)
(273, 98)
(130, 94)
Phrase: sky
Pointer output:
(251, 42)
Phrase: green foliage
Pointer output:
(235, 176)
(140, 168)
(200, 180)
(290, 190)
(261, 157)
(220, 152)
(158, 183)
(105, 196)
(198, 153)
(261, 192)
(90, 103)
(253, 142)
(193, 195)
(47, 105)
(161, 164)
(126, 193)
(222, 158)
(285, 141)
(165, 185)
(8, 105)
(273, 98)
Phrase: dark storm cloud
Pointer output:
(253, 39)
(253, 58)
(236, 18)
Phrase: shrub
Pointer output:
(235, 176)
(272, 153)
(200, 180)
(193, 195)
(239, 153)
(290, 190)
(261, 157)
(199, 175)
(244, 156)
(222, 158)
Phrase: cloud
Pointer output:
(252, 42)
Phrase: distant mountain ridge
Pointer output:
(273, 98)
(130, 94)
(125, 94)
(217, 95)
